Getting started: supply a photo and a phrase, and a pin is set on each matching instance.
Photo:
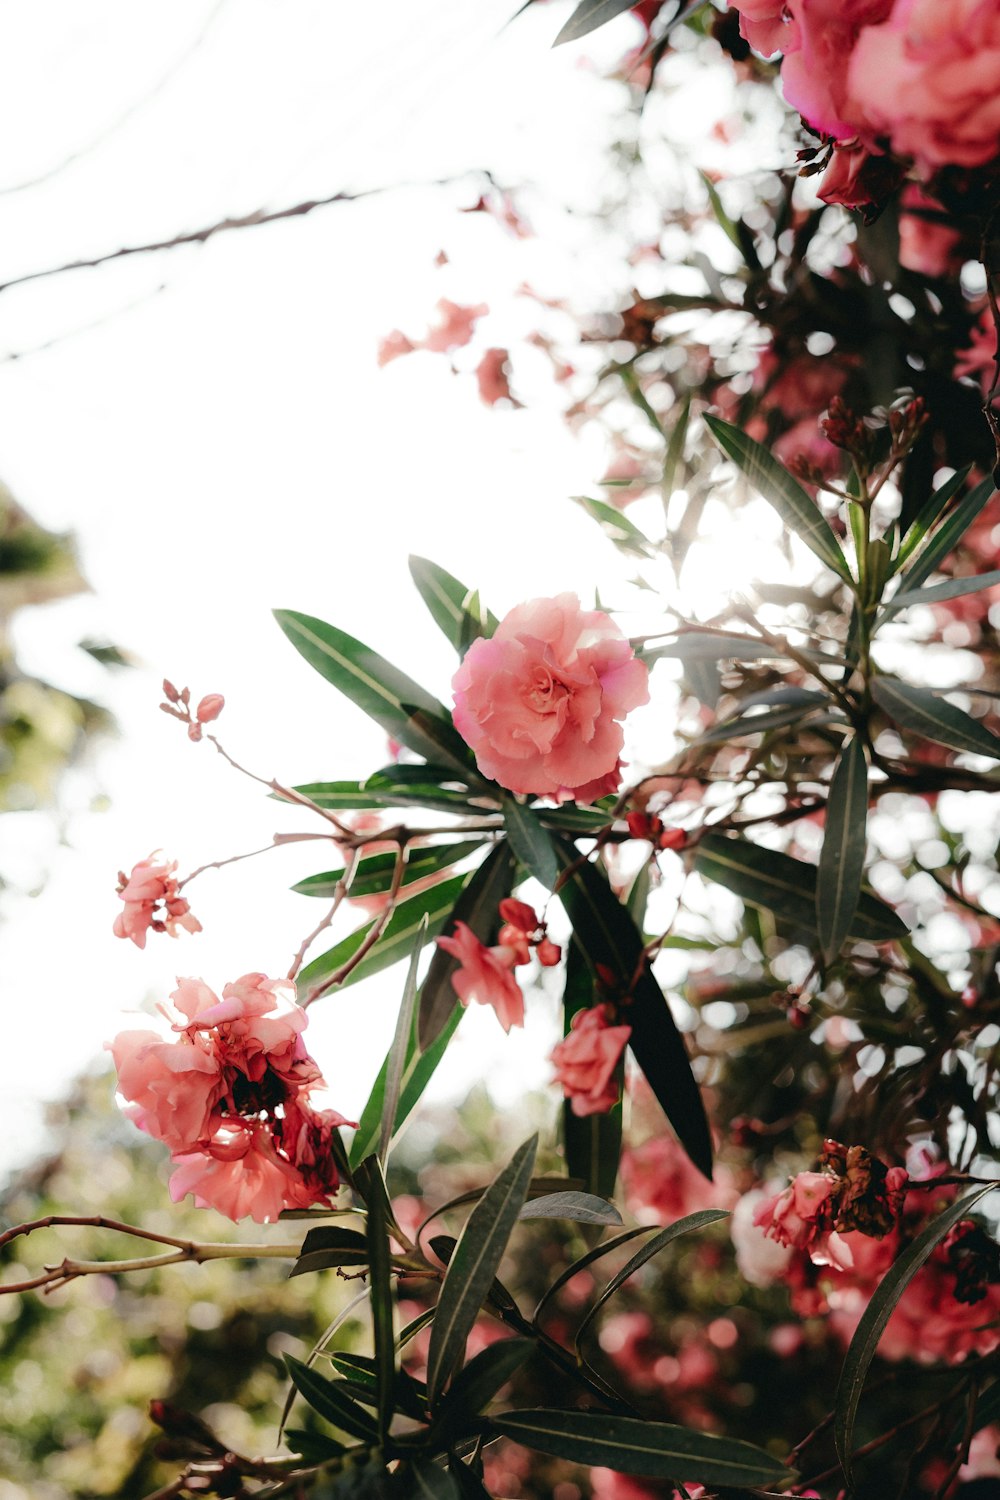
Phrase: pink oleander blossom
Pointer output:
(768, 26)
(586, 1058)
(814, 76)
(660, 1183)
(484, 975)
(152, 900)
(170, 1087)
(541, 702)
(240, 1174)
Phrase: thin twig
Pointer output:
(371, 937)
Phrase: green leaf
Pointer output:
(326, 1397)
(842, 859)
(427, 1481)
(617, 527)
(477, 906)
(396, 941)
(592, 1143)
(330, 1246)
(572, 819)
(932, 508)
(313, 1447)
(597, 1253)
(474, 1265)
(724, 221)
(582, 1208)
(344, 796)
(674, 456)
(468, 1480)
(953, 588)
(779, 489)
(478, 1382)
(396, 1060)
(786, 886)
(455, 609)
(608, 936)
(934, 718)
(383, 1304)
(944, 539)
(877, 1314)
(385, 694)
(418, 1069)
(588, 15)
(763, 723)
(652, 1247)
(531, 842)
(629, 1445)
(700, 645)
(373, 873)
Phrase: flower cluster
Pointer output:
(152, 901)
(485, 975)
(852, 1191)
(231, 1091)
(178, 705)
(918, 80)
(541, 702)
(587, 1057)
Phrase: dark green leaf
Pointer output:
(478, 1382)
(787, 496)
(441, 741)
(674, 457)
(312, 1446)
(842, 859)
(477, 907)
(933, 718)
(592, 1143)
(588, 15)
(582, 1208)
(382, 1301)
(571, 819)
(426, 1481)
(326, 1397)
(786, 886)
(629, 1445)
(418, 1070)
(455, 609)
(617, 527)
(762, 723)
(362, 1370)
(608, 936)
(877, 1314)
(928, 514)
(396, 941)
(723, 219)
(468, 1480)
(953, 588)
(944, 539)
(373, 873)
(330, 1246)
(474, 1265)
(531, 842)
(652, 1247)
(396, 1060)
(597, 1253)
(339, 796)
(699, 645)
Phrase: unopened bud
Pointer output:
(170, 692)
(209, 708)
(549, 953)
(519, 914)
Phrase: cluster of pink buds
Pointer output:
(152, 901)
(178, 705)
(523, 930)
(485, 975)
(644, 825)
(851, 1191)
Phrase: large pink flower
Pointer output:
(485, 975)
(240, 1173)
(541, 703)
(170, 1087)
(586, 1058)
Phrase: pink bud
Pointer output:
(210, 708)
(518, 914)
(170, 692)
(548, 952)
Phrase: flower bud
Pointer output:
(210, 708)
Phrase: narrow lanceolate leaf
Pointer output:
(842, 860)
(877, 1314)
(617, 527)
(330, 1245)
(469, 1483)
(629, 1445)
(674, 457)
(797, 509)
(592, 1143)
(702, 645)
(346, 795)
(531, 842)
(605, 1248)
(947, 536)
(418, 1069)
(953, 588)
(582, 1208)
(786, 887)
(385, 693)
(477, 907)
(396, 1060)
(326, 1397)
(608, 937)
(934, 718)
(652, 1247)
(762, 723)
(928, 514)
(455, 609)
(426, 1481)
(478, 1382)
(373, 873)
(396, 941)
(382, 1302)
(473, 1266)
(588, 15)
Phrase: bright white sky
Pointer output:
(222, 442)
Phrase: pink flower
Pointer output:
(209, 708)
(541, 703)
(171, 1087)
(761, 1260)
(802, 1214)
(393, 346)
(152, 900)
(484, 975)
(767, 26)
(814, 76)
(927, 243)
(492, 376)
(240, 1174)
(660, 1183)
(585, 1060)
(454, 327)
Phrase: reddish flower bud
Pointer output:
(170, 692)
(549, 953)
(672, 838)
(209, 708)
(519, 914)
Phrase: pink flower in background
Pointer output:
(541, 703)
(585, 1060)
(454, 327)
(492, 374)
(152, 900)
(484, 975)
(393, 346)
(661, 1184)
(927, 244)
